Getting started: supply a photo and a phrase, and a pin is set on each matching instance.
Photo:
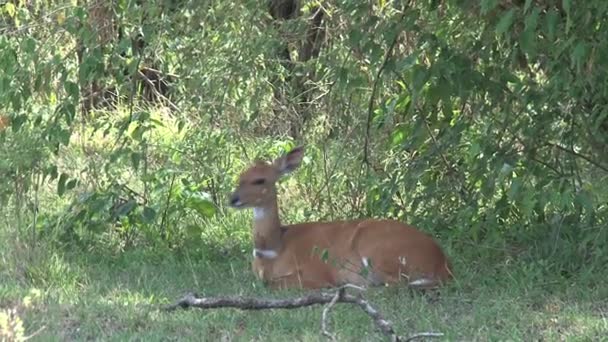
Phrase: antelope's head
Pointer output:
(257, 184)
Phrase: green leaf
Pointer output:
(201, 203)
(325, 255)
(505, 22)
(9, 8)
(185, 181)
(403, 104)
(71, 89)
(579, 54)
(398, 136)
(63, 136)
(440, 91)
(599, 120)
(505, 170)
(38, 121)
(531, 21)
(447, 109)
(61, 184)
(527, 42)
(406, 63)
(584, 198)
(138, 132)
(474, 150)
(420, 75)
(126, 208)
(515, 188)
(16, 101)
(567, 5)
(379, 117)
(355, 37)
(390, 34)
(29, 46)
(551, 20)
(141, 116)
(527, 204)
(69, 112)
(148, 215)
(52, 172)
(17, 122)
(135, 160)
(434, 4)
(527, 5)
(71, 184)
(488, 5)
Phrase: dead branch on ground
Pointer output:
(319, 298)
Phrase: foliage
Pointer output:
(482, 122)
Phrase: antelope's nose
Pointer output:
(235, 201)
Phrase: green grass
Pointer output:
(80, 295)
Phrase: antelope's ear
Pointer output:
(289, 161)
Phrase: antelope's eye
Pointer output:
(259, 181)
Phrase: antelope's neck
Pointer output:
(267, 228)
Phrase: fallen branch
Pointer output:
(421, 335)
(320, 298)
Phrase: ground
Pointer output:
(88, 296)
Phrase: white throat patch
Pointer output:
(258, 213)
(264, 253)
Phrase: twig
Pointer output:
(370, 107)
(372, 97)
(34, 334)
(123, 127)
(38, 183)
(385, 326)
(579, 155)
(156, 71)
(434, 140)
(451, 171)
(338, 160)
(327, 180)
(329, 299)
(326, 309)
(156, 92)
(163, 231)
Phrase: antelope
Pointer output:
(313, 255)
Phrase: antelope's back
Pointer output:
(394, 249)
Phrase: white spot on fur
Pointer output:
(258, 213)
(421, 282)
(402, 261)
(264, 253)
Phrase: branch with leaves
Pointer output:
(319, 298)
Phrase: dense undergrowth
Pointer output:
(483, 123)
